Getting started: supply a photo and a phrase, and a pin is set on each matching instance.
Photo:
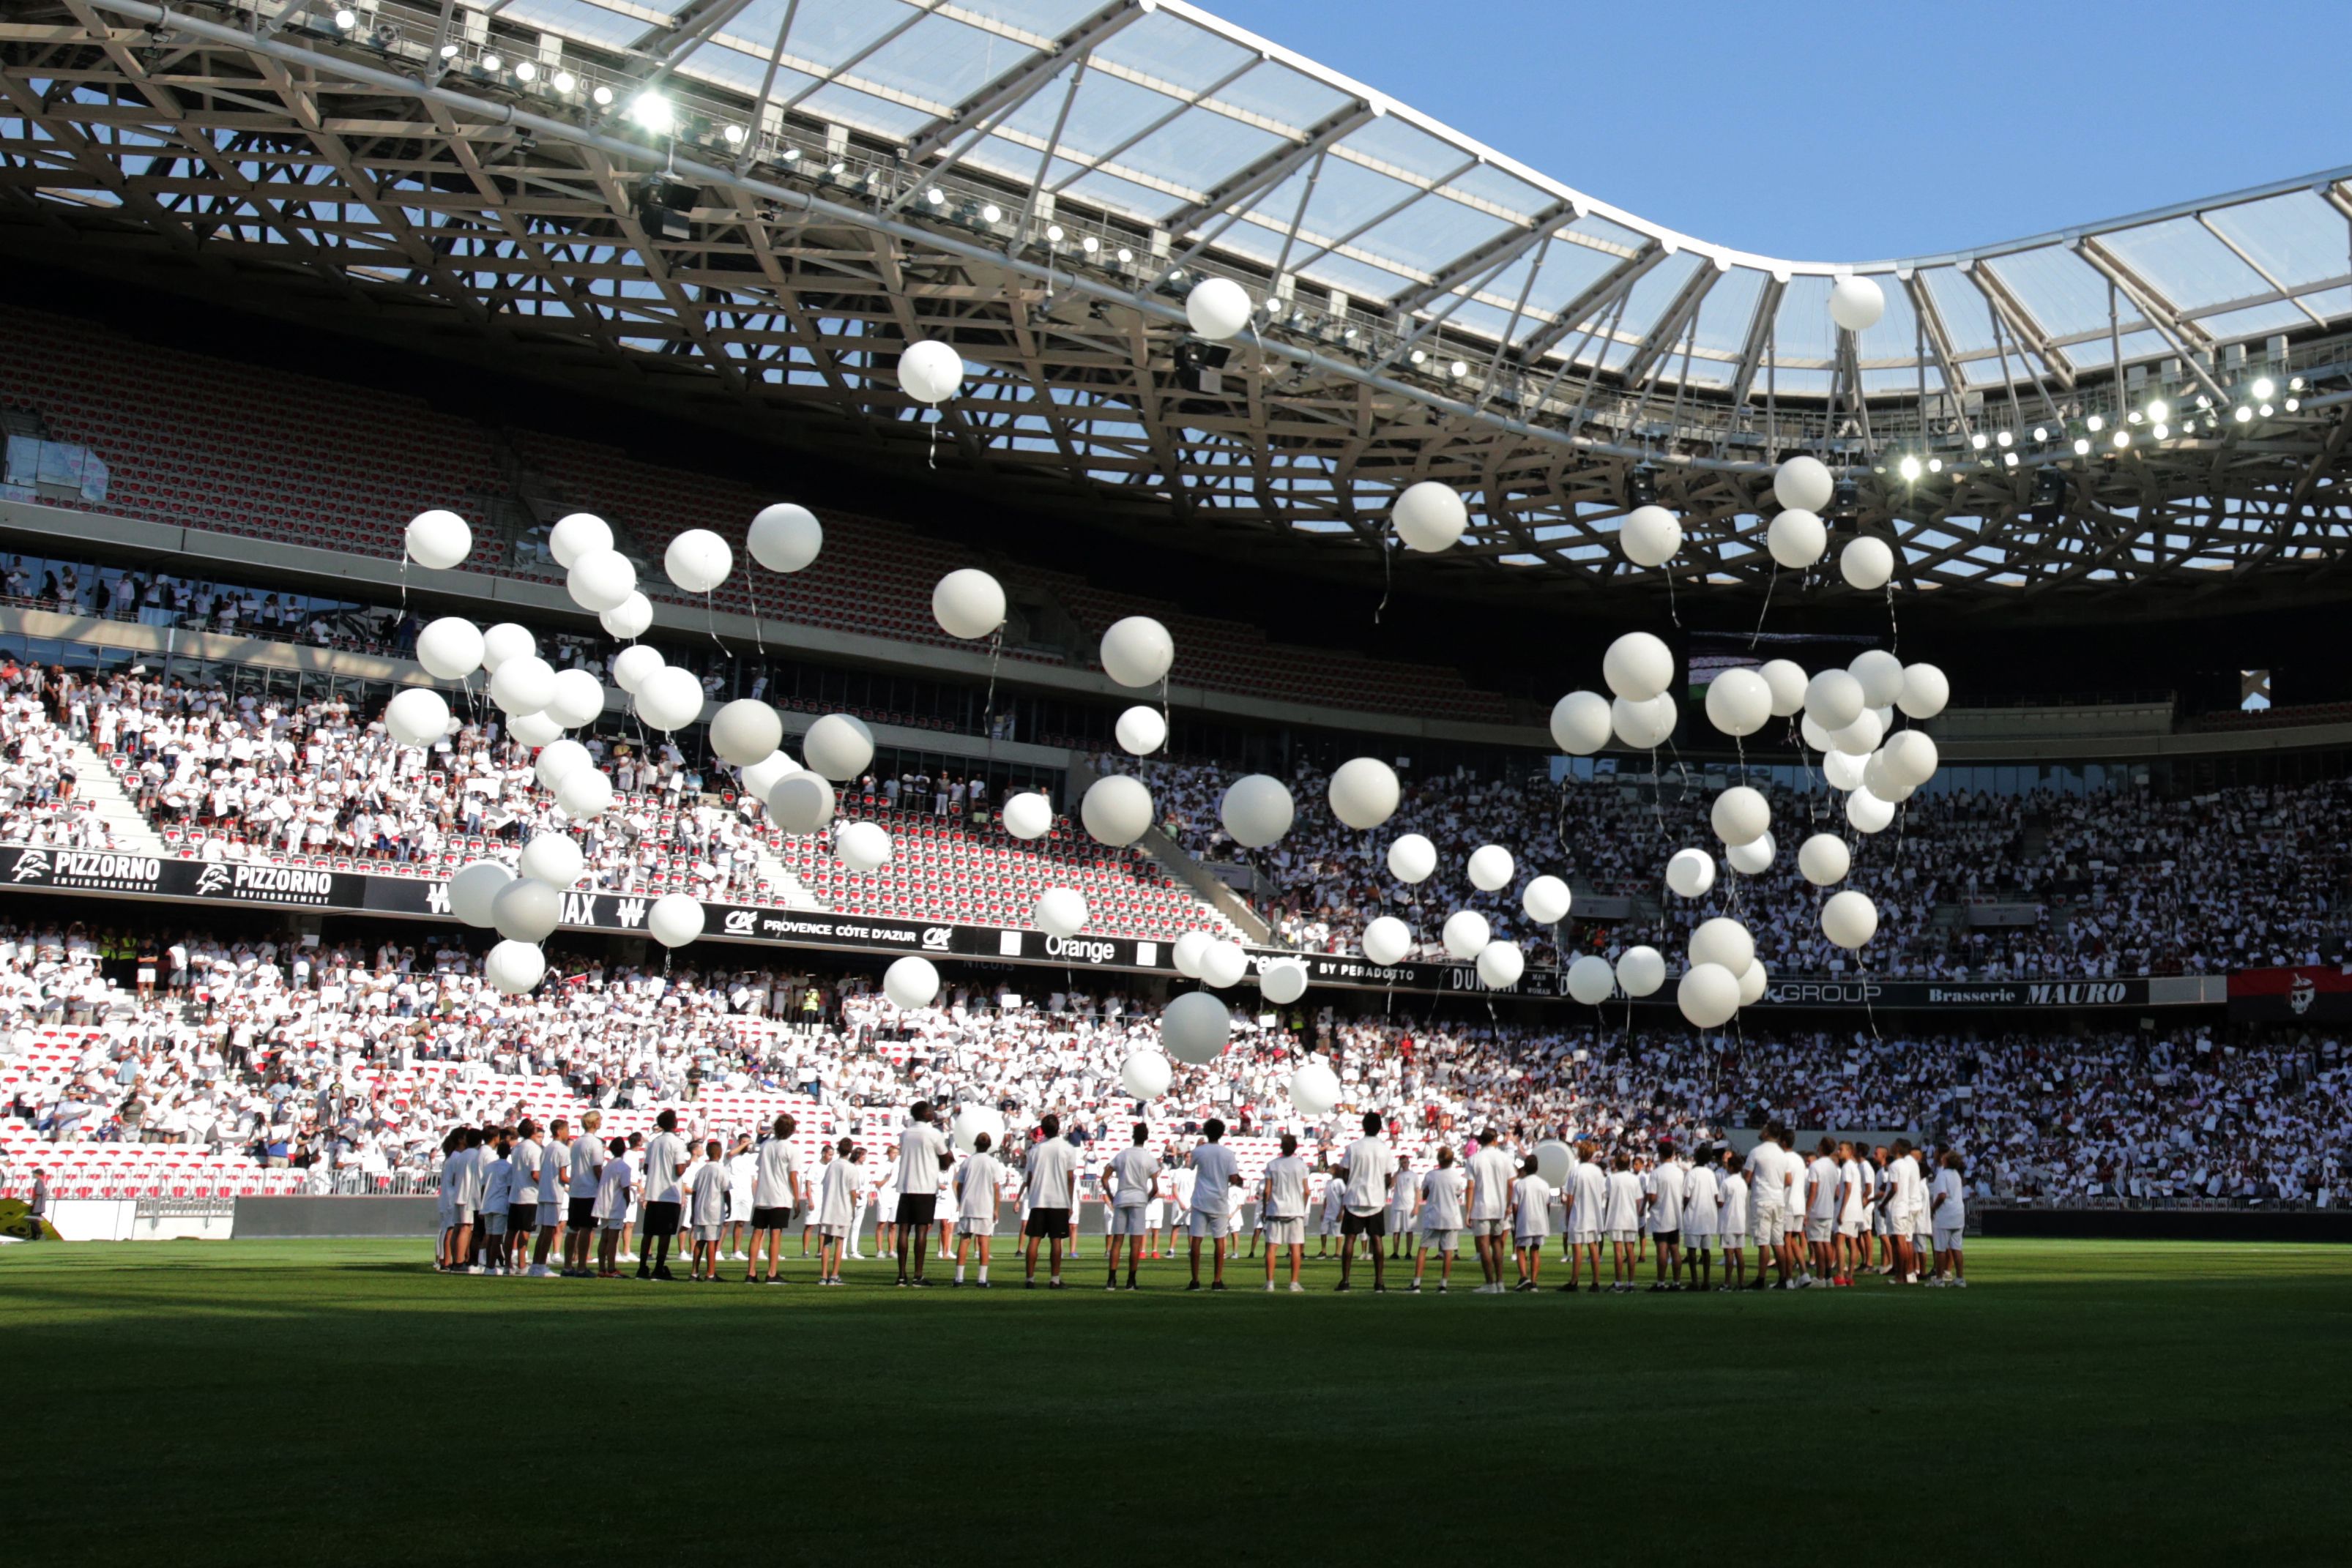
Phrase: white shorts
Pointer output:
(1154, 1212)
(551, 1215)
(833, 1232)
(1698, 1241)
(975, 1227)
(1580, 1237)
(1441, 1240)
(1624, 1237)
(1291, 1232)
(1896, 1224)
(1947, 1237)
(1849, 1228)
(1526, 1238)
(1490, 1228)
(1735, 1240)
(1211, 1227)
(1818, 1229)
(1127, 1219)
(1769, 1224)
(497, 1222)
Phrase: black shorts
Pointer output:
(582, 1213)
(778, 1217)
(1667, 1238)
(916, 1208)
(661, 1219)
(1373, 1225)
(523, 1218)
(1045, 1223)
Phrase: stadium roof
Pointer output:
(1040, 182)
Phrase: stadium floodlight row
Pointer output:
(758, 225)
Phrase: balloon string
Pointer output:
(1769, 583)
(935, 417)
(404, 581)
(988, 708)
(1894, 630)
(1674, 610)
(752, 587)
(710, 619)
(1387, 575)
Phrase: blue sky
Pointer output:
(1839, 131)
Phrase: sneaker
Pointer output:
(902, 1281)
(1218, 1286)
(1269, 1286)
(1380, 1289)
(1342, 1285)
(1442, 1287)
(475, 1269)
(664, 1273)
(1593, 1289)
(1295, 1288)
(922, 1283)
(980, 1284)
(1960, 1284)
(1192, 1285)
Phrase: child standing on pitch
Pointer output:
(1530, 1221)
(976, 1192)
(709, 1191)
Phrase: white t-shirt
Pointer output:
(1849, 1190)
(498, 1184)
(1531, 1216)
(1905, 1199)
(1735, 1204)
(1701, 1216)
(587, 1163)
(554, 1160)
(844, 1193)
(1285, 1188)
(919, 1148)
(1213, 1166)
(1370, 1165)
(1052, 1166)
(1624, 1207)
(1588, 1207)
(1131, 1173)
(1440, 1199)
(710, 1194)
(522, 1161)
(665, 1158)
(976, 1189)
(1821, 1200)
(613, 1191)
(1666, 1197)
(773, 1187)
(1491, 1171)
(1954, 1208)
(1764, 1175)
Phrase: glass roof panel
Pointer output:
(2064, 293)
(1495, 188)
(942, 59)
(1654, 290)
(2255, 320)
(829, 31)
(1430, 233)
(1802, 333)
(2180, 257)
(578, 19)
(1967, 325)
(1275, 91)
(1199, 148)
(728, 66)
(865, 111)
(2297, 238)
(1346, 196)
(1896, 336)
(1389, 141)
(1164, 47)
(1729, 307)
(1119, 195)
(1047, 19)
(1106, 111)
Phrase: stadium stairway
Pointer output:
(786, 886)
(1173, 859)
(102, 785)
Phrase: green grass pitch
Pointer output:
(244, 1402)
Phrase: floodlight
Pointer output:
(492, 64)
(2082, 446)
(2263, 387)
(603, 96)
(1909, 468)
(734, 134)
(2123, 439)
(563, 81)
(526, 71)
(653, 112)
(2159, 410)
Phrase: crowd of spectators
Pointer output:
(354, 1058)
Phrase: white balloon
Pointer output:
(1223, 964)
(1546, 901)
(1466, 933)
(1257, 810)
(1881, 674)
(1754, 981)
(438, 539)
(1855, 303)
(1825, 859)
(1802, 484)
(864, 847)
(1690, 873)
(513, 967)
(1815, 735)
(1925, 691)
(1645, 725)
(745, 731)
(1412, 857)
(1491, 868)
(973, 1123)
(1136, 652)
(1868, 812)
(801, 803)
(1283, 981)
(628, 619)
(1722, 941)
(1832, 700)
(1849, 919)
(1739, 703)
(668, 699)
(1186, 953)
(1217, 309)
(1707, 994)
(1796, 539)
(1650, 535)
(1910, 756)
(1786, 678)
(930, 371)
(1740, 815)
(764, 775)
(1145, 1074)
(1753, 858)
(1193, 1028)
(601, 580)
(522, 686)
(1867, 564)
(586, 793)
(450, 649)
(911, 982)
(1555, 1162)
(1638, 666)
(838, 746)
(1591, 980)
(555, 859)
(1387, 940)
(1314, 1090)
(1859, 739)
(968, 603)
(1059, 912)
(784, 537)
(1141, 731)
(674, 920)
(534, 729)
(1429, 516)
(1641, 971)
(1579, 723)
(1842, 771)
(527, 911)
(1116, 810)
(556, 761)
(1501, 965)
(1364, 792)
(474, 887)
(1028, 815)
(577, 535)
(632, 665)
(576, 698)
(698, 560)
(506, 641)
(417, 715)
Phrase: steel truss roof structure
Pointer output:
(751, 207)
